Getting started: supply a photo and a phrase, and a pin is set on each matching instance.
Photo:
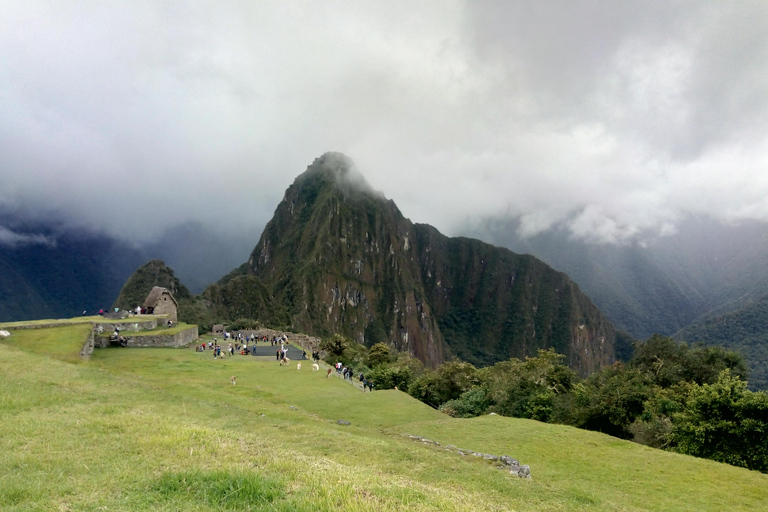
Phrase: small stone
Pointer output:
(509, 461)
(451, 446)
(343, 422)
(478, 454)
(294, 408)
(488, 456)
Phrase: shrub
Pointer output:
(389, 377)
(471, 403)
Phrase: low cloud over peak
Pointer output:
(614, 119)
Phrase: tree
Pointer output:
(610, 400)
(669, 362)
(726, 422)
(390, 376)
(471, 403)
(654, 426)
(447, 382)
(378, 354)
(335, 346)
(534, 388)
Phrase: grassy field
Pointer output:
(62, 343)
(163, 429)
(75, 320)
(177, 327)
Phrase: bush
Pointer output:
(447, 382)
(335, 346)
(725, 422)
(379, 354)
(389, 377)
(470, 404)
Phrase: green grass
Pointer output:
(63, 343)
(163, 429)
(79, 320)
(178, 327)
(75, 320)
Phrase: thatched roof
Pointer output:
(154, 297)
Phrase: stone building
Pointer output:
(161, 302)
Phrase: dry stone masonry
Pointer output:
(504, 462)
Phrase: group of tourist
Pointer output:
(347, 374)
(214, 346)
(252, 338)
(117, 338)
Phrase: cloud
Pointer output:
(614, 119)
(14, 240)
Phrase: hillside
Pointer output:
(62, 274)
(141, 282)
(661, 285)
(339, 257)
(744, 330)
(163, 429)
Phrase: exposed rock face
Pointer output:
(339, 254)
(339, 257)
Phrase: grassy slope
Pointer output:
(62, 343)
(75, 320)
(162, 429)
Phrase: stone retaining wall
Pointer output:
(109, 327)
(179, 339)
(87, 350)
(504, 462)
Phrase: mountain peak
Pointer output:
(338, 169)
(337, 257)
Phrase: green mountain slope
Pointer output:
(138, 286)
(70, 273)
(660, 286)
(744, 330)
(339, 257)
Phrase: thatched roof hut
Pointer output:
(160, 301)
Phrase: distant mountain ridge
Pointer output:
(62, 274)
(661, 286)
(744, 330)
(48, 271)
(339, 257)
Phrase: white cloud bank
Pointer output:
(613, 118)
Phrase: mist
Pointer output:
(613, 121)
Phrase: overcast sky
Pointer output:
(613, 119)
